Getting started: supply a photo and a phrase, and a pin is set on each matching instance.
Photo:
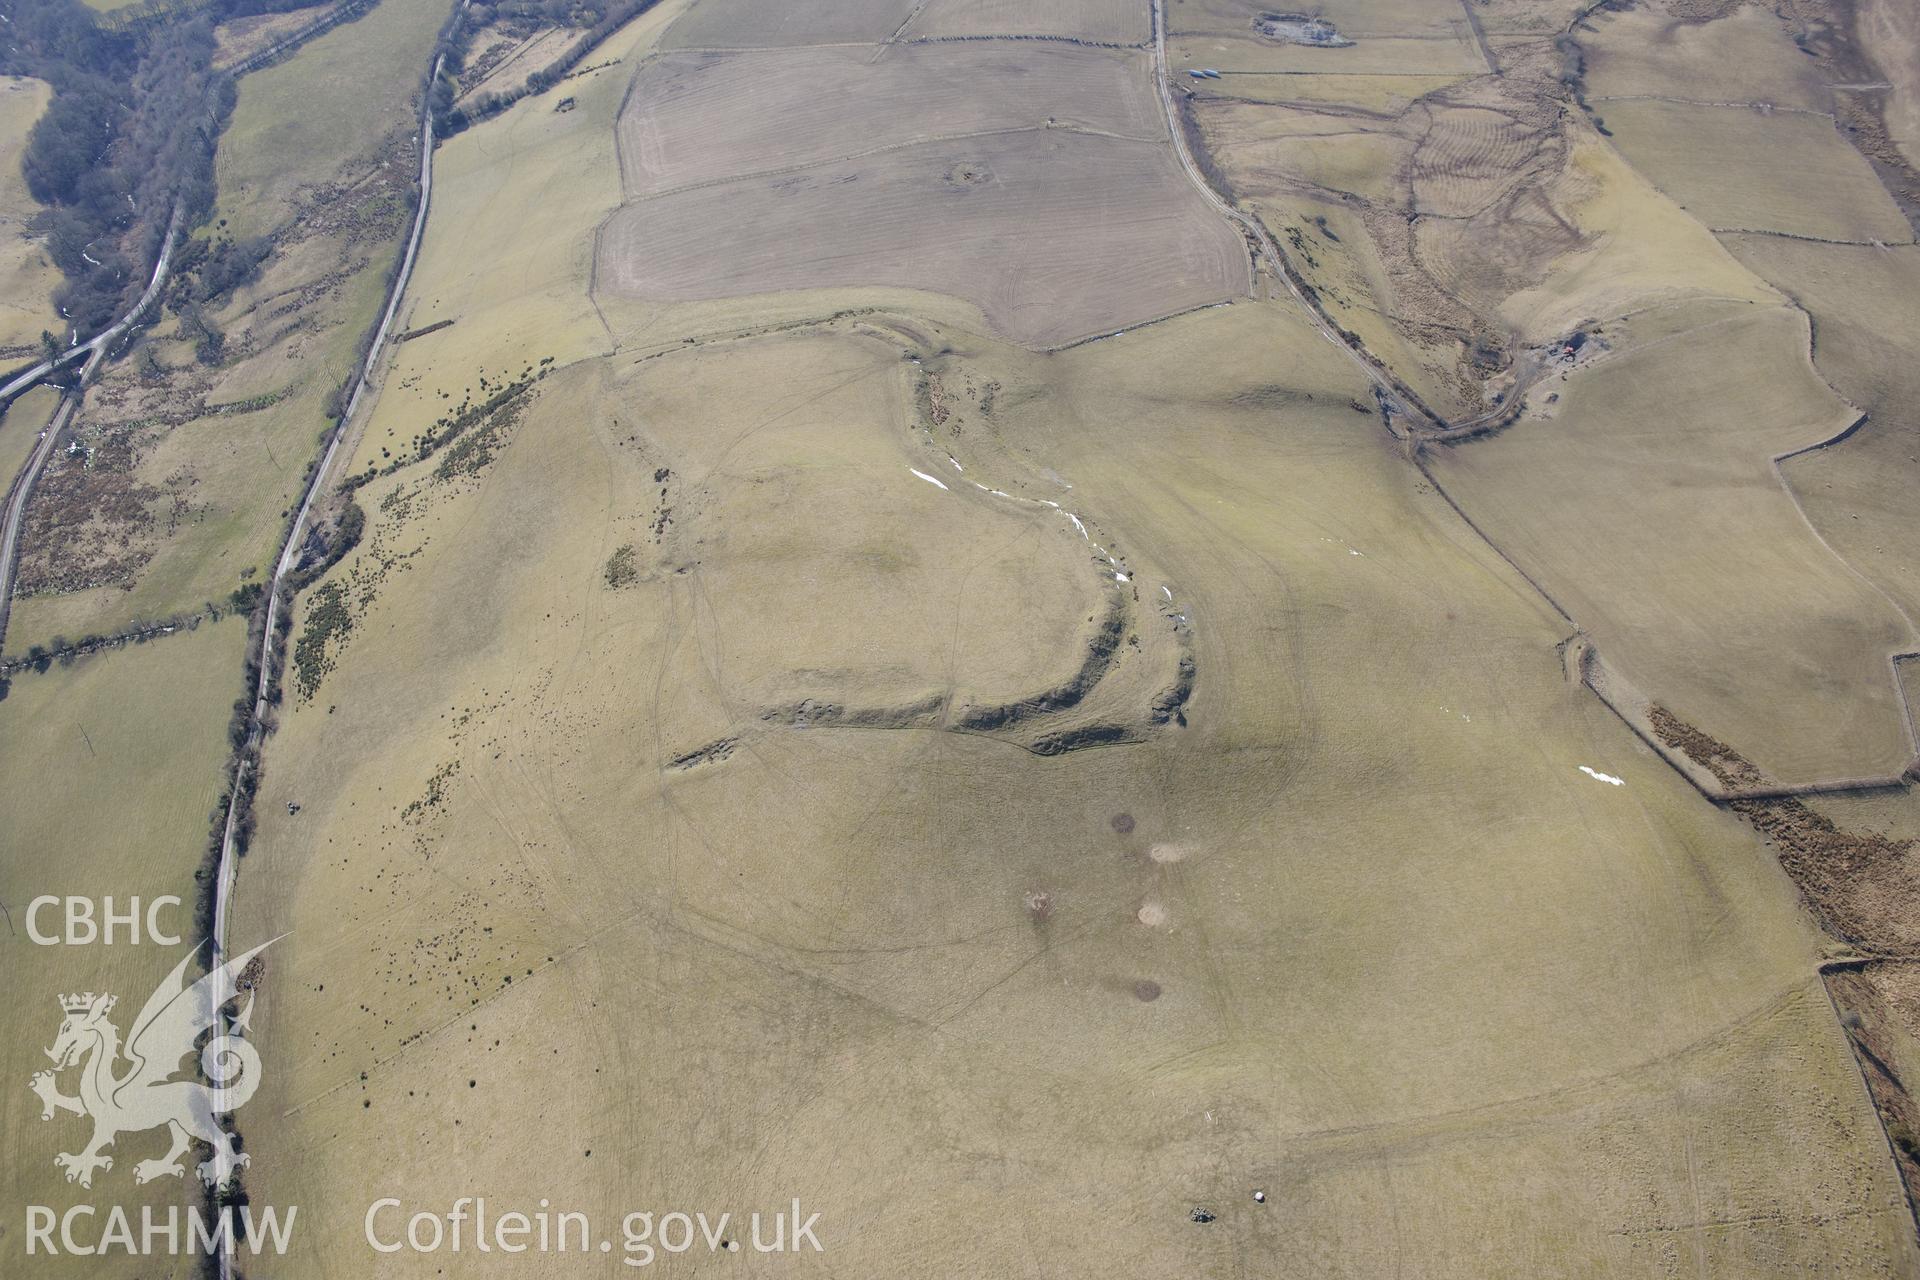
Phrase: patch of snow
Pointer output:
(1169, 592)
(1081, 527)
(1607, 778)
(1121, 577)
(956, 463)
(924, 476)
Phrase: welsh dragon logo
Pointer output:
(144, 1094)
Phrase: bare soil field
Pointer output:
(27, 274)
(1095, 21)
(1056, 236)
(746, 24)
(697, 118)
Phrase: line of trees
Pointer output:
(600, 18)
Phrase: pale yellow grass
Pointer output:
(1387, 95)
(1265, 148)
(20, 427)
(514, 297)
(732, 24)
(1641, 251)
(805, 968)
(27, 273)
(1248, 59)
(1866, 308)
(1360, 19)
(1746, 55)
(307, 121)
(108, 771)
(1649, 507)
(1354, 286)
(1736, 169)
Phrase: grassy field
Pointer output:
(1415, 207)
(508, 299)
(1864, 304)
(549, 762)
(512, 853)
(1082, 812)
(177, 514)
(20, 427)
(316, 118)
(1463, 237)
(194, 462)
(1737, 169)
(1740, 57)
(27, 275)
(108, 770)
(1708, 586)
(1638, 251)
